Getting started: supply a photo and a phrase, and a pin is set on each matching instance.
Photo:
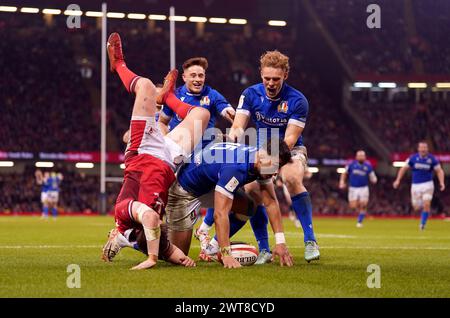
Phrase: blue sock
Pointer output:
(54, 212)
(424, 219)
(45, 210)
(209, 217)
(303, 208)
(235, 224)
(361, 217)
(259, 225)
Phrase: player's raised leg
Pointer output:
(195, 119)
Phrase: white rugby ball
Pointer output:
(244, 253)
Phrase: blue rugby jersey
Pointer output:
(290, 107)
(422, 167)
(224, 167)
(359, 173)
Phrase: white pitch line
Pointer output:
(48, 246)
(298, 234)
(378, 247)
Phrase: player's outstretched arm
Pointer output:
(39, 177)
(400, 175)
(373, 177)
(150, 221)
(441, 177)
(222, 207)
(229, 114)
(236, 131)
(179, 258)
(293, 133)
(342, 179)
(273, 212)
(126, 137)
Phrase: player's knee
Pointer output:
(201, 114)
(146, 85)
(146, 215)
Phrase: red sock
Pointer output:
(128, 78)
(179, 107)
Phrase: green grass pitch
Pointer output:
(34, 255)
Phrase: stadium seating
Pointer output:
(71, 120)
(47, 104)
(401, 123)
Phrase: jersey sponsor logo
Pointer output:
(283, 107)
(241, 101)
(421, 166)
(271, 120)
(359, 172)
(232, 184)
(205, 101)
(231, 146)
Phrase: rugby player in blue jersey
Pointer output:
(50, 191)
(360, 172)
(422, 165)
(277, 108)
(195, 92)
(215, 178)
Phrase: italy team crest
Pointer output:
(205, 101)
(283, 107)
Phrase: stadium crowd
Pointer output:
(401, 122)
(45, 96)
(71, 118)
(54, 108)
(412, 36)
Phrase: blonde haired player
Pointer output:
(278, 109)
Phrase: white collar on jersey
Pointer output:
(192, 94)
(273, 99)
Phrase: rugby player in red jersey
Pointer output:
(150, 160)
